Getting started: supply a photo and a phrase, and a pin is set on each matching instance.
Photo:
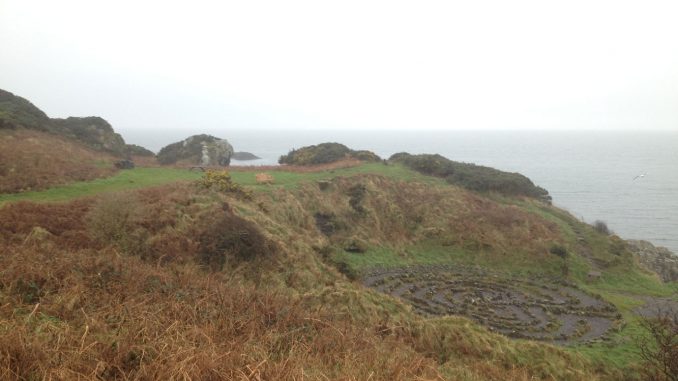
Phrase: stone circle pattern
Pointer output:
(536, 309)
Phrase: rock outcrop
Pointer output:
(657, 259)
(94, 131)
(204, 150)
(17, 112)
(325, 153)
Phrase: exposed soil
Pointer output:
(538, 309)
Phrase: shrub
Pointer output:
(558, 250)
(112, 221)
(356, 195)
(355, 245)
(136, 150)
(326, 223)
(473, 177)
(601, 227)
(231, 236)
(345, 269)
(660, 350)
(325, 153)
(221, 181)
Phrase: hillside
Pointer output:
(303, 278)
(33, 160)
(93, 131)
(38, 151)
(471, 176)
(17, 112)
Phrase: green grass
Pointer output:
(432, 253)
(288, 180)
(145, 177)
(123, 180)
(622, 285)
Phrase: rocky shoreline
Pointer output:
(656, 259)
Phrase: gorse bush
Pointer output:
(221, 181)
(471, 176)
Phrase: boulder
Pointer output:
(124, 164)
(205, 150)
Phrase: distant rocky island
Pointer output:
(244, 156)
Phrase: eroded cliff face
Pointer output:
(658, 259)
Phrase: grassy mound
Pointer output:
(325, 153)
(471, 176)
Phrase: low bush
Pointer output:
(601, 227)
(230, 236)
(473, 177)
(136, 150)
(325, 153)
(112, 221)
(356, 195)
(558, 250)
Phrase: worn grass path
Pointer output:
(146, 177)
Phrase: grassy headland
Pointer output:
(144, 275)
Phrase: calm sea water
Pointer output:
(591, 174)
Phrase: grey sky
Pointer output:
(346, 64)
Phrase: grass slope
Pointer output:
(151, 176)
(114, 286)
(31, 160)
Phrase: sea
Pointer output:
(627, 179)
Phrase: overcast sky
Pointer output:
(345, 64)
